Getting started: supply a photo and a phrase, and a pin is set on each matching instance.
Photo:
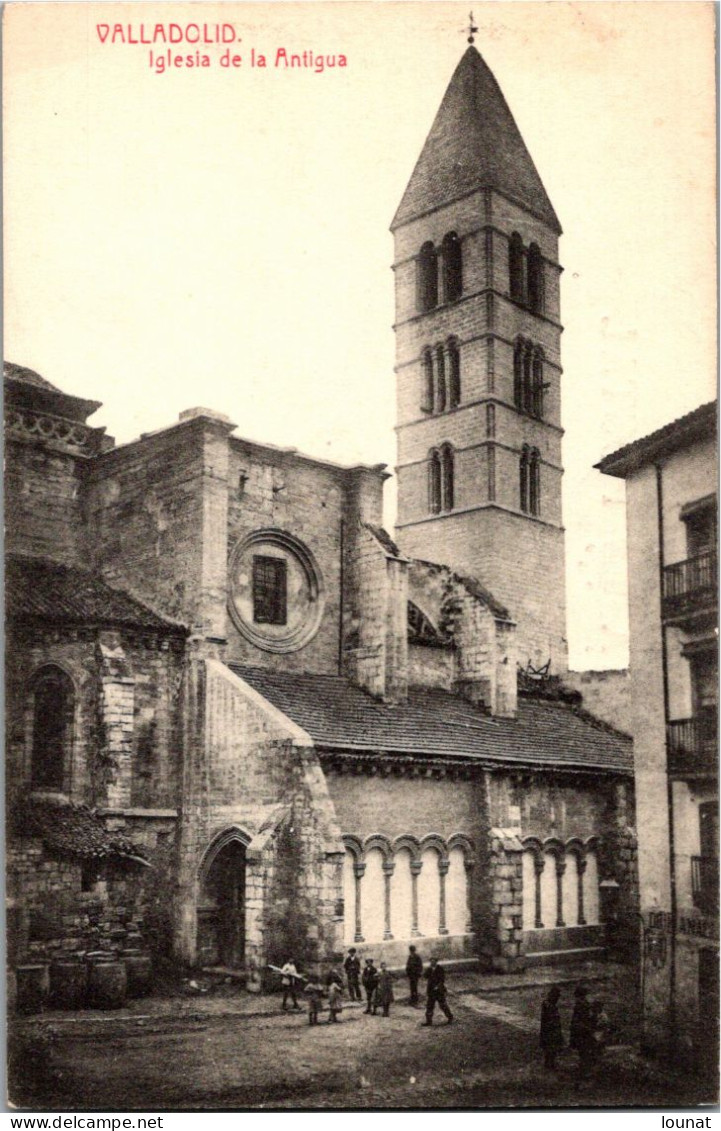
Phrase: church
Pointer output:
(244, 721)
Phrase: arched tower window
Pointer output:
(518, 374)
(537, 385)
(447, 478)
(515, 267)
(53, 704)
(535, 278)
(523, 477)
(452, 267)
(427, 277)
(534, 481)
(427, 380)
(434, 482)
(441, 395)
(528, 377)
(454, 374)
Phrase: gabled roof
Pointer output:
(697, 425)
(436, 724)
(474, 143)
(36, 588)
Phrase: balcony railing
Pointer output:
(692, 745)
(705, 883)
(690, 586)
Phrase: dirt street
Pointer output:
(488, 1057)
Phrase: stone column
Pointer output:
(581, 869)
(358, 870)
(416, 866)
(560, 869)
(388, 866)
(443, 872)
(538, 865)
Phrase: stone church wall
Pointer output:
(42, 508)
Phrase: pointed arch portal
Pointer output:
(221, 901)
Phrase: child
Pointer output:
(335, 1003)
(314, 990)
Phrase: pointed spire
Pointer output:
(474, 143)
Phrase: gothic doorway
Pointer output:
(221, 906)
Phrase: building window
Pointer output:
(427, 278)
(454, 374)
(447, 478)
(536, 398)
(534, 482)
(535, 279)
(434, 482)
(528, 385)
(518, 374)
(440, 380)
(452, 268)
(523, 478)
(270, 590)
(427, 381)
(515, 267)
(52, 729)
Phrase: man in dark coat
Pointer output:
(551, 1032)
(352, 968)
(436, 978)
(370, 985)
(582, 1037)
(414, 969)
(384, 993)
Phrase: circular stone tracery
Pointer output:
(305, 595)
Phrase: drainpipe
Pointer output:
(669, 784)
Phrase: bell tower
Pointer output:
(478, 362)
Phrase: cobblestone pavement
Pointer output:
(219, 1059)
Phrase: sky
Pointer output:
(219, 236)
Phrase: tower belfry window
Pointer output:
(515, 267)
(447, 478)
(434, 483)
(427, 381)
(427, 277)
(535, 278)
(452, 267)
(441, 391)
(523, 478)
(454, 374)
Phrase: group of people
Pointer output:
(377, 983)
(589, 1032)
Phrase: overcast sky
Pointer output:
(219, 236)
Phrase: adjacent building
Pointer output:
(672, 523)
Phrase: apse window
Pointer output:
(270, 590)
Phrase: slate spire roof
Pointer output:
(474, 143)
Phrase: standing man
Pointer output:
(436, 978)
(370, 985)
(384, 993)
(288, 980)
(352, 972)
(414, 969)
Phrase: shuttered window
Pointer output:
(270, 590)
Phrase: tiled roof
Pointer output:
(435, 723)
(15, 372)
(699, 424)
(38, 588)
(474, 143)
(74, 830)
